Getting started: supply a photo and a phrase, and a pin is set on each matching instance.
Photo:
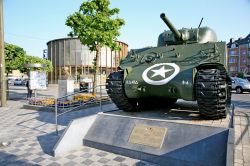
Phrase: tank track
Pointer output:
(213, 93)
(116, 91)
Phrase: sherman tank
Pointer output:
(188, 64)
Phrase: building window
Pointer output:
(243, 52)
(232, 69)
(67, 56)
(232, 52)
(243, 60)
(232, 60)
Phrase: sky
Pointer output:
(30, 24)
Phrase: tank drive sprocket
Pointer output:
(213, 92)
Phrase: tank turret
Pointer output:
(184, 35)
(176, 33)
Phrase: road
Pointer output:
(242, 102)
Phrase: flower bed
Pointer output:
(42, 101)
(78, 100)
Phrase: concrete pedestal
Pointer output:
(65, 87)
(188, 139)
(183, 144)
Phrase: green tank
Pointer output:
(188, 64)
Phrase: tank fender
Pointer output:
(211, 66)
(214, 66)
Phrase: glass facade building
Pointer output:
(69, 52)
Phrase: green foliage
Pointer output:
(34, 59)
(94, 25)
(14, 57)
(240, 74)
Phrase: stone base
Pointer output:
(191, 143)
(180, 136)
(65, 87)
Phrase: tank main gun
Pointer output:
(185, 35)
(176, 33)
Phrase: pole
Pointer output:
(56, 117)
(100, 96)
(2, 59)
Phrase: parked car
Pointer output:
(18, 82)
(240, 85)
(248, 78)
(11, 81)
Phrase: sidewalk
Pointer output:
(32, 136)
(242, 139)
(242, 130)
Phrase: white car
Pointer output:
(240, 85)
(11, 81)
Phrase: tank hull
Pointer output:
(169, 71)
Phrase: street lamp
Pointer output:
(2, 59)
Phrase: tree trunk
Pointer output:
(96, 73)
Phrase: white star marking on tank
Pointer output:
(161, 72)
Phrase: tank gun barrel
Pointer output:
(177, 34)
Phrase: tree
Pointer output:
(35, 59)
(95, 26)
(14, 57)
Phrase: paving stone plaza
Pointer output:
(30, 135)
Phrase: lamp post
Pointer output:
(2, 59)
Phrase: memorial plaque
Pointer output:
(148, 135)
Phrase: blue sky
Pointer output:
(32, 23)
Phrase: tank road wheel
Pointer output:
(213, 92)
(116, 92)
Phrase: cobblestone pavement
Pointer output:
(242, 129)
(32, 136)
